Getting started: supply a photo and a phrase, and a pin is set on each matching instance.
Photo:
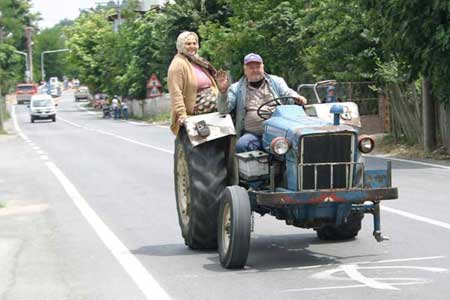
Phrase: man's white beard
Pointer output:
(255, 80)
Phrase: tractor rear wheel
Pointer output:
(344, 231)
(234, 228)
(200, 178)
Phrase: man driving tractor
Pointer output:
(245, 96)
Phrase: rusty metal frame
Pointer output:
(353, 196)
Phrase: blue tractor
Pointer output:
(311, 174)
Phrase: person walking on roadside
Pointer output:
(115, 107)
(125, 109)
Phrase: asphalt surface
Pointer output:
(51, 249)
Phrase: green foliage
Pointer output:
(9, 64)
(15, 15)
(88, 40)
(55, 64)
(416, 33)
(299, 40)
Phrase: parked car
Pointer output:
(24, 92)
(42, 107)
(82, 93)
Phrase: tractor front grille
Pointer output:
(326, 161)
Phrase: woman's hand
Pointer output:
(180, 120)
(222, 81)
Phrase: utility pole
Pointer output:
(428, 116)
(28, 33)
(119, 13)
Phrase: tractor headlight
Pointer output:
(279, 145)
(366, 144)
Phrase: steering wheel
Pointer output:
(271, 104)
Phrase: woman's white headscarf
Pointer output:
(182, 39)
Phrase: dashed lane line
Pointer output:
(118, 137)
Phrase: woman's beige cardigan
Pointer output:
(182, 84)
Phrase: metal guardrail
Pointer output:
(348, 174)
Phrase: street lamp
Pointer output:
(27, 67)
(42, 59)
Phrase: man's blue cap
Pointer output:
(252, 57)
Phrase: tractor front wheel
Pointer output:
(234, 228)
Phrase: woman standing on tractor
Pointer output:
(200, 172)
(192, 82)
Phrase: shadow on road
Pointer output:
(168, 250)
(267, 253)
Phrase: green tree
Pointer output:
(88, 41)
(418, 34)
(8, 67)
(55, 64)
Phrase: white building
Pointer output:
(146, 5)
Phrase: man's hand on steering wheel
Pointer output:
(265, 114)
(301, 100)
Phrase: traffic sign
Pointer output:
(154, 82)
(155, 92)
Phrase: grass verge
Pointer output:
(390, 146)
(161, 118)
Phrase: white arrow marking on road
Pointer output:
(354, 274)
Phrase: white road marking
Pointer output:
(416, 217)
(136, 123)
(44, 157)
(408, 161)
(403, 259)
(71, 123)
(119, 137)
(142, 278)
(342, 287)
(353, 272)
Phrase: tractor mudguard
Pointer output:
(217, 126)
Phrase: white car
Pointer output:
(42, 107)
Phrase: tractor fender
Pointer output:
(219, 125)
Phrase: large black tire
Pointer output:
(233, 236)
(200, 178)
(54, 119)
(32, 120)
(344, 231)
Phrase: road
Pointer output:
(90, 214)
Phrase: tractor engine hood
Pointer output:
(291, 122)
